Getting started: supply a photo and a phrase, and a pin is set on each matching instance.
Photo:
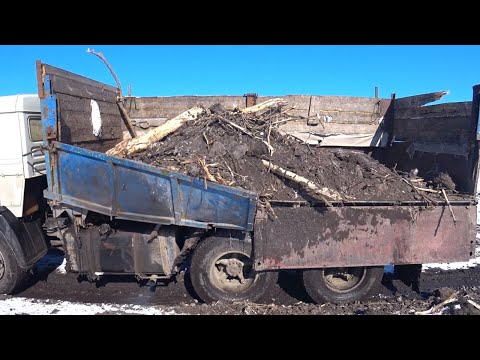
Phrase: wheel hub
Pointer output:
(343, 279)
(232, 272)
(233, 268)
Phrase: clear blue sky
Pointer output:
(264, 69)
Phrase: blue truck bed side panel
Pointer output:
(135, 191)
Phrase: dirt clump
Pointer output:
(443, 181)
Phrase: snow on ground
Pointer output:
(20, 306)
(454, 265)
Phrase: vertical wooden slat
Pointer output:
(41, 89)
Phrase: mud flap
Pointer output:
(24, 237)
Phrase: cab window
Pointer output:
(35, 128)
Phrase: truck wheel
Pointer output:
(222, 270)
(10, 273)
(341, 285)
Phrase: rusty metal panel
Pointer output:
(315, 237)
(250, 99)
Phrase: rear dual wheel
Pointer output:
(341, 285)
(222, 270)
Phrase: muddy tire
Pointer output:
(222, 270)
(341, 285)
(11, 276)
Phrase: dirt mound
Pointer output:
(228, 147)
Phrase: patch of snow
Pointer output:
(453, 266)
(442, 311)
(96, 118)
(61, 268)
(20, 305)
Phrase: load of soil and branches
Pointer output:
(246, 149)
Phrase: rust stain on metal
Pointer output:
(50, 133)
(309, 237)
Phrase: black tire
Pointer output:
(212, 283)
(11, 276)
(325, 285)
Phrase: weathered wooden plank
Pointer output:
(40, 85)
(330, 105)
(418, 100)
(167, 113)
(460, 136)
(342, 104)
(79, 104)
(76, 127)
(76, 120)
(440, 124)
(330, 128)
(73, 87)
(441, 110)
(149, 102)
(67, 134)
(326, 117)
(52, 70)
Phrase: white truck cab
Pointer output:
(22, 180)
(21, 158)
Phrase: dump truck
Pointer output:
(119, 216)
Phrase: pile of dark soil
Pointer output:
(228, 146)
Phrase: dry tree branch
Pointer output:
(449, 206)
(452, 298)
(125, 117)
(322, 192)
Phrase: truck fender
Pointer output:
(25, 239)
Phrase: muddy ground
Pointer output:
(288, 297)
(213, 148)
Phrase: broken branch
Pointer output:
(264, 105)
(449, 206)
(428, 190)
(424, 196)
(474, 304)
(452, 298)
(323, 192)
(132, 146)
(125, 117)
(284, 120)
